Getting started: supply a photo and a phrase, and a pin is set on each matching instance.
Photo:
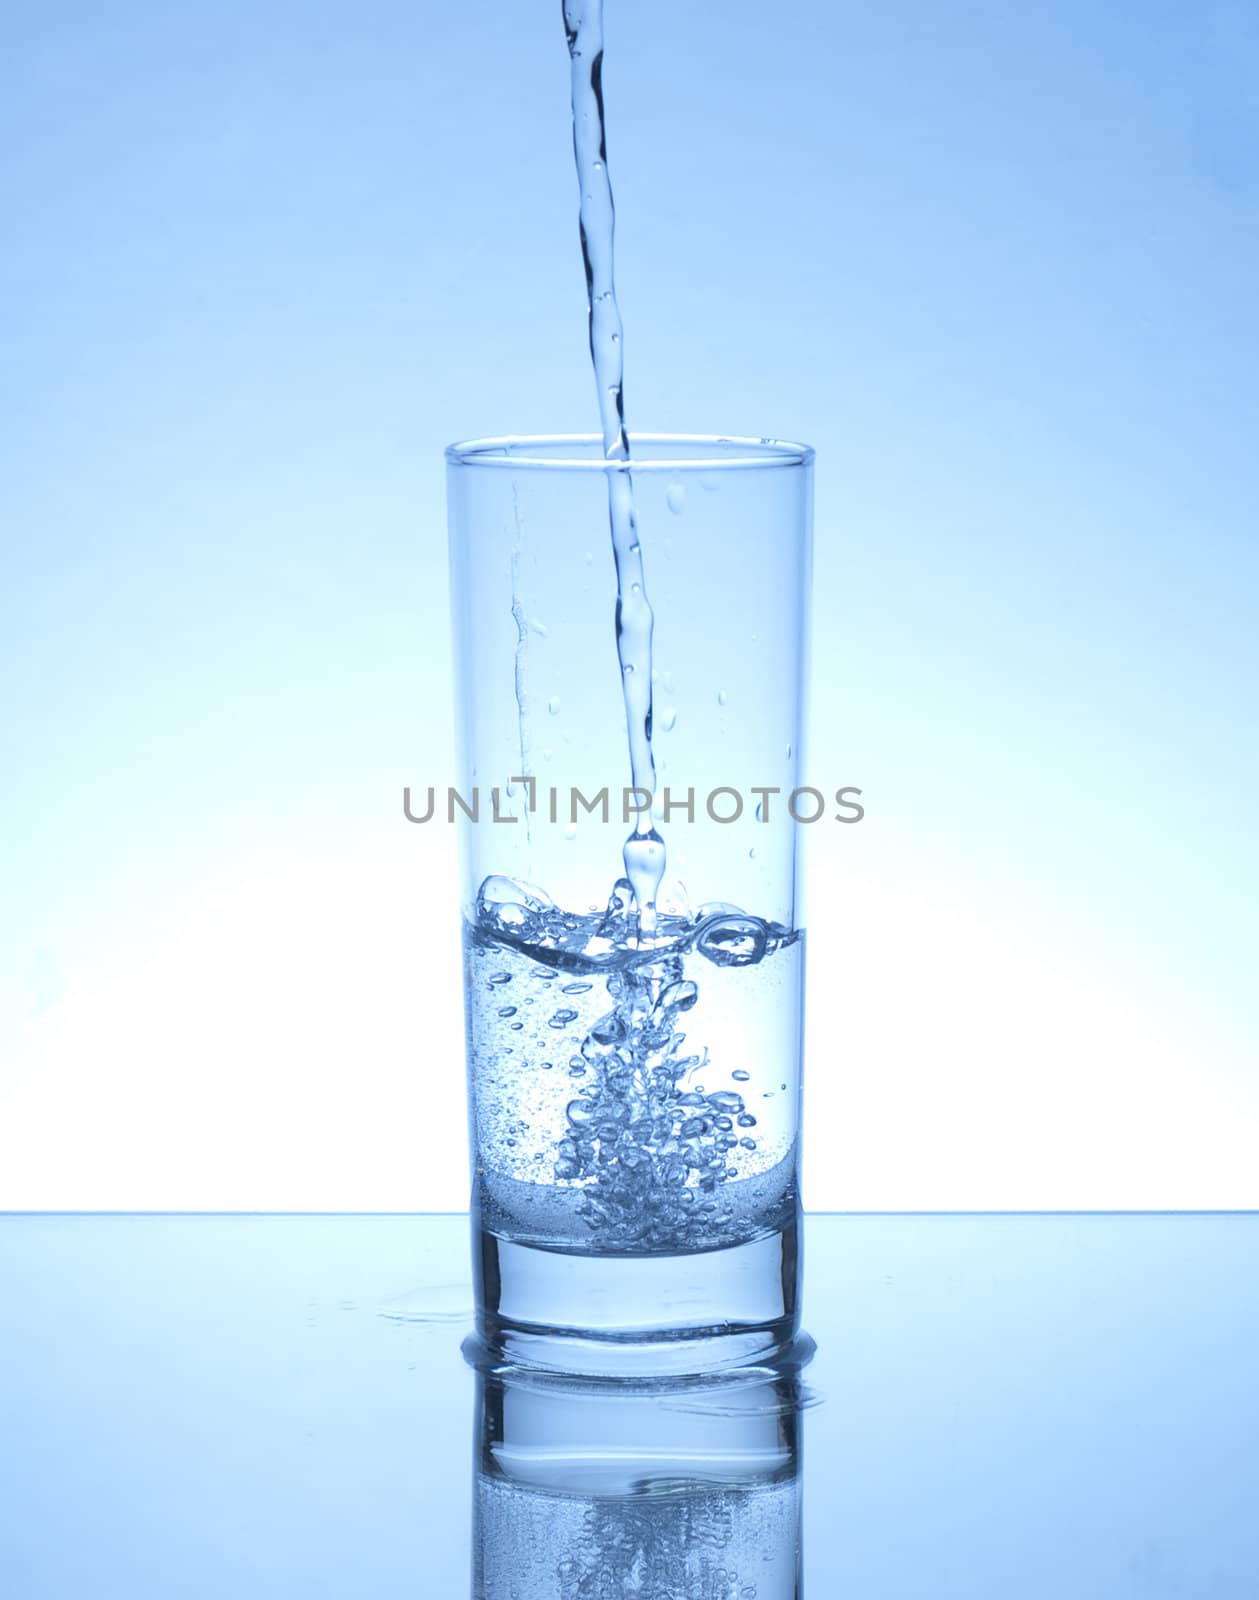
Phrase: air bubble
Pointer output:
(733, 941)
(675, 498)
(668, 719)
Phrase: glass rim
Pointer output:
(704, 452)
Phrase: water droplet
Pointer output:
(553, 705)
(675, 498)
(740, 1076)
(668, 719)
(577, 988)
(517, 1027)
(747, 1120)
(507, 1011)
(547, 1066)
(570, 830)
(752, 853)
(500, 977)
(563, 1017)
(721, 697)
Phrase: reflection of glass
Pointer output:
(633, 1052)
(609, 1491)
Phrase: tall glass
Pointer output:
(634, 1074)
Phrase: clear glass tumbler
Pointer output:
(634, 1072)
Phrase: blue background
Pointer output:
(995, 262)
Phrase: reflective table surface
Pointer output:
(999, 1406)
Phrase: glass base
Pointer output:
(638, 1316)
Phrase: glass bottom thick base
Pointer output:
(638, 1316)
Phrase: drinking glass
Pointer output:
(634, 1071)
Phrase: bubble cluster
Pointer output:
(650, 1154)
(643, 1145)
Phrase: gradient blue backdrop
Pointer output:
(996, 262)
